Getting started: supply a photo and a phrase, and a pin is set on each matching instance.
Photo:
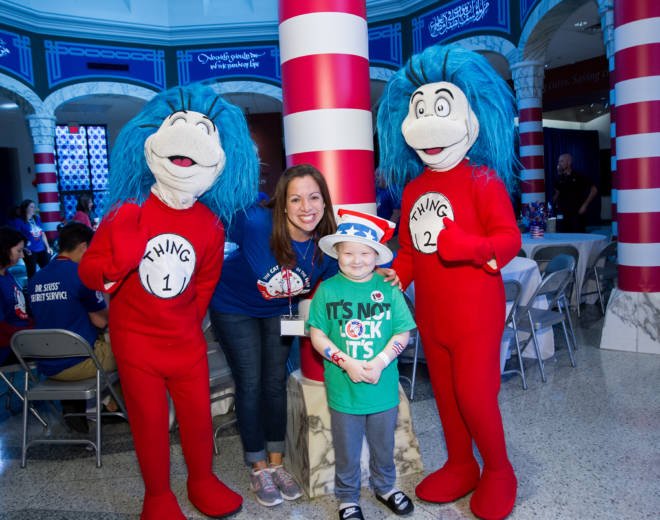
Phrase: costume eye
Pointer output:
(178, 120)
(420, 107)
(204, 127)
(442, 107)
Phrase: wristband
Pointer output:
(384, 357)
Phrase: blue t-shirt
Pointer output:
(252, 283)
(32, 231)
(58, 299)
(12, 306)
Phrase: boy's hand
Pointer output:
(375, 368)
(356, 370)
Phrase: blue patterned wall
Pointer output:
(16, 55)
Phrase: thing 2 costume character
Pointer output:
(159, 252)
(457, 230)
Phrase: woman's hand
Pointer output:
(390, 275)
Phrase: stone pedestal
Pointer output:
(632, 322)
(309, 452)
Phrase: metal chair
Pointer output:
(12, 369)
(531, 319)
(221, 381)
(559, 262)
(411, 351)
(29, 345)
(602, 269)
(513, 291)
(544, 255)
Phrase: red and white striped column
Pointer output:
(528, 81)
(42, 129)
(637, 93)
(326, 96)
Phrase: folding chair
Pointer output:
(601, 270)
(559, 262)
(512, 290)
(411, 351)
(12, 369)
(221, 381)
(544, 255)
(531, 319)
(30, 345)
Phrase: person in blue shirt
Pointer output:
(58, 299)
(38, 250)
(277, 261)
(13, 310)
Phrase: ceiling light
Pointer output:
(8, 106)
(580, 23)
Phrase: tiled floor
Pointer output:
(585, 445)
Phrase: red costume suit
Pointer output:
(459, 301)
(156, 313)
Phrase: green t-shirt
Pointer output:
(360, 318)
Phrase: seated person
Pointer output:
(58, 299)
(13, 312)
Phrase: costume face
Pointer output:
(440, 125)
(356, 261)
(185, 155)
(304, 207)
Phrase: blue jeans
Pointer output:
(257, 355)
(347, 433)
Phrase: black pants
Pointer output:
(42, 258)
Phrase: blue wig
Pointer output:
(489, 96)
(236, 186)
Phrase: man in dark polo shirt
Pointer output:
(573, 194)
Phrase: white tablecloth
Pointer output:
(526, 271)
(587, 244)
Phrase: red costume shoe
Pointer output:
(161, 507)
(213, 498)
(495, 495)
(449, 483)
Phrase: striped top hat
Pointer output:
(363, 228)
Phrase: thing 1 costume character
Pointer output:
(446, 129)
(159, 253)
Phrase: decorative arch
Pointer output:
(21, 94)
(542, 24)
(494, 44)
(95, 88)
(251, 87)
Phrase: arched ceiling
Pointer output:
(167, 21)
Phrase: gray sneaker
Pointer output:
(261, 482)
(288, 486)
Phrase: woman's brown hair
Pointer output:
(280, 239)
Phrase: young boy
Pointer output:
(360, 324)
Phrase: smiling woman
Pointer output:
(277, 261)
